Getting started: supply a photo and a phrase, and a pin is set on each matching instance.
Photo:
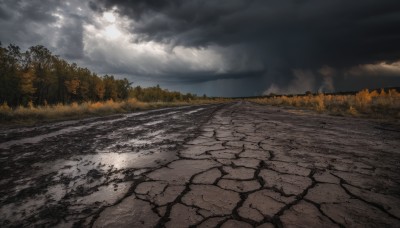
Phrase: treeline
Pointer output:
(157, 94)
(38, 77)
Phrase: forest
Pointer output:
(38, 77)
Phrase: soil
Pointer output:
(224, 165)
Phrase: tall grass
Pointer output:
(32, 114)
(364, 103)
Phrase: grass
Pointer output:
(34, 114)
(362, 104)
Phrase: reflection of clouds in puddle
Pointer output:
(136, 142)
(156, 133)
(104, 162)
(57, 192)
(76, 173)
(154, 123)
(127, 145)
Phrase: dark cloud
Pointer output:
(22, 22)
(304, 33)
(70, 43)
(286, 36)
(53, 24)
(219, 46)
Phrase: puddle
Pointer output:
(81, 165)
(194, 111)
(85, 165)
(72, 129)
(154, 123)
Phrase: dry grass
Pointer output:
(32, 114)
(365, 103)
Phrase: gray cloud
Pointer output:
(304, 33)
(219, 45)
(285, 36)
(70, 41)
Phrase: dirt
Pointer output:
(227, 165)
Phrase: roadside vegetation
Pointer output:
(376, 104)
(36, 85)
(32, 114)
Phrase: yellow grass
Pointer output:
(32, 114)
(365, 103)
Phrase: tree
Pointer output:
(123, 88)
(110, 88)
(72, 87)
(9, 74)
(99, 88)
(26, 86)
(40, 59)
(37, 77)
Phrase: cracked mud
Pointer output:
(228, 165)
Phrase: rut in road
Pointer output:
(246, 166)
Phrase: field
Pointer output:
(374, 104)
(362, 104)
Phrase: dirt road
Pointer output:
(228, 165)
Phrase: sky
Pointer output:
(219, 47)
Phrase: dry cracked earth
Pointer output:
(228, 165)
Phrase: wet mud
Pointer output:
(226, 165)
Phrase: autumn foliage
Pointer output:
(39, 77)
(364, 103)
(37, 85)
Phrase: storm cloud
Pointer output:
(220, 47)
(302, 32)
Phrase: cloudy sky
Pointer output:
(219, 47)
